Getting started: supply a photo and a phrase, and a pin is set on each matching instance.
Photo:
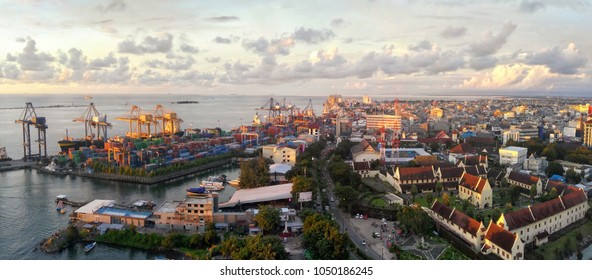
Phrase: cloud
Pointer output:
(490, 43)
(482, 62)
(221, 40)
(562, 61)
(348, 40)
(313, 36)
(180, 63)
(516, 75)
(113, 6)
(213, 59)
(223, 18)
(31, 60)
(120, 74)
(337, 22)
(186, 48)
(11, 71)
(453, 32)
(527, 6)
(355, 85)
(162, 43)
(20, 40)
(98, 63)
(262, 46)
(421, 46)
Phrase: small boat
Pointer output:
(212, 186)
(63, 211)
(60, 206)
(196, 191)
(89, 247)
(235, 182)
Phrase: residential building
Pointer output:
(512, 155)
(460, 151)
(281, 154)
(582, 169)
(536, 223)
(525, 181)
(537, 165)
(363, 169)
(190, 214)
(473, 160)
(476, 190)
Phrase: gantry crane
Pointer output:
(139, 123)
(168, 121)
(94, 122)
(29, 118)
(274, 111)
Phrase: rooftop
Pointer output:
(261, 194)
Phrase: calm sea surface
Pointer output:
(27, 208)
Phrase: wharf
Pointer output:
(10, 165)
(154, 180)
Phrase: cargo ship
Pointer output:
(68, 142)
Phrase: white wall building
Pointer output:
(513, 155)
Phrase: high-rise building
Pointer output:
(588, 133)
(384, 121)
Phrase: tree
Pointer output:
(572, 177)
(439, 187)
(413, 192)
(321, 237)
(435, 147)
(533, 192)
(414, 219)
(301, 184)
(346, 195)
(268, 219)
(429, 198)
(550, 152)
(254, 173)
(554, 168)
(446, 199)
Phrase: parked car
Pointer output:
(363, 242)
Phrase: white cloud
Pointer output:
(313, 36)
(113, 6)
(355, 85)
(221, 40)
(516, 75)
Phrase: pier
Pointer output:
(154, 180)
(10, 165)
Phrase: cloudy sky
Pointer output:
(353, 47)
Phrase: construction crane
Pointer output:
(29, 118)
(308, 111)
(169, 122)
(139, 123)
(94, 122)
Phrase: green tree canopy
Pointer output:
(414, 219)
(554, 168)
(268, 219)
(322, 238)
(254, 173)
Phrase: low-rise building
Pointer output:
(476, 190)
(364, 152)
(105, 211)
(537, 165)
(403, 178)
(536, 223)
(525, 181)
(281, 153)
(503, 243)
(192, 213)
(457, 222)
(512, 155)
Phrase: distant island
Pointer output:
(186, 102)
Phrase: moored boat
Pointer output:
(89, 247)
(212, 186)
(235, 182)
(60, 206)
(196, 191)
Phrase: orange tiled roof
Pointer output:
(500, 237)
(416, 173)
(463, 148)
(459, 218)
(475, 183)
(523, 178)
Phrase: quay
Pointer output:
(146, 180)
(10, 165)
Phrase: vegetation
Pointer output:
(256, 247)
(302, 184)
(254, 173)
(402, 255)
(452, 253)
(153, 241)
(346, 195)
(378, 202)
(268, 219)
(414, 219)
(566, 245)
(322, 239)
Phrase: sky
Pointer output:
(353, 47)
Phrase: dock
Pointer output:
(10, 165)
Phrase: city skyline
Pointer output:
(306, 48)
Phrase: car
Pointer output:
(357, 216)
(332, 200)
(363, 242)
